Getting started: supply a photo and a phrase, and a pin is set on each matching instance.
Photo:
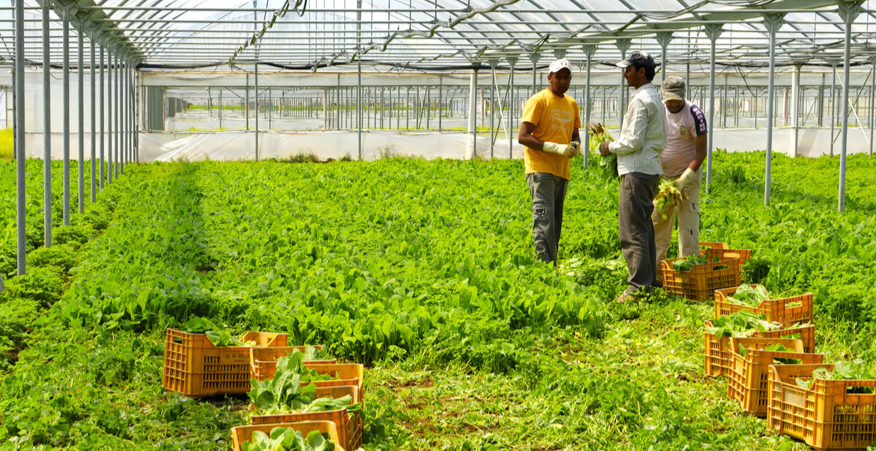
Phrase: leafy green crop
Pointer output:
(741, 324)
(288, 390)
(282, 438)
(750, 295)
(842, 370)
(687, 264)
(607, 164)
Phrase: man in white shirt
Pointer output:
(638, 148)
(686, 143)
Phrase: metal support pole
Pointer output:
(534, 58)
(736, 107)
(820, 101)
(833, 104)
(473, 111)
(359, 105)
(492, 64)
(65, 21)
(712, 32)
(623, 45)
(93, 126)
(110, 112)
(589, 51)
(246, 110)
(124, 136)
(359, 74)
(440, 104)
(663, 38)
(848, 11)
(872, 99)
(47, 128)
(102, 120)
(795, 109)
(772, 22)
(117, 146)
(20, 157)
(256, 87)
(512, 60)
(81, 72)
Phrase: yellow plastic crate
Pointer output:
(718, 350)
(826, 416)
(195, 367)
(350, 426)
(776, 310)
(243, 434)
(747, 379)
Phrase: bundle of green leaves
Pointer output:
(750, 295)
(687, 264)
(607, 164)
(217, 335)
(289, 390)
(842, 370)
(741, 324)
(667, 193)
(287, 439)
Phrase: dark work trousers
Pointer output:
(548, 193)
(637, 190)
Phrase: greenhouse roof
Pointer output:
(450, 34)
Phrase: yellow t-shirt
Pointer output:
(555, 118)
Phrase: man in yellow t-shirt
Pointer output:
(549, 131)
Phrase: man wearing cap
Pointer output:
(549, 133)
(681, 160)
(638, 148)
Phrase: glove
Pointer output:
(685, 178)
(576, 147)
(560, 149)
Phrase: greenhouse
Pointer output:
(247, 224)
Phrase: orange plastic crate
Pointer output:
(825, 417)
(717, 350)
(714, 249)
(747, 376)
(702, 280)
(263, 361)
(243, 434)
(776, 310)
(194, 367)
(350, 426)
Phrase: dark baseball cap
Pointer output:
(639, 58)
(673, 88)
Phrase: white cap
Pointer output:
(559, 64)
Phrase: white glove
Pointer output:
(685, 178)
(560, 149)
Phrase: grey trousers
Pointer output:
(636, 230)
(547, 192)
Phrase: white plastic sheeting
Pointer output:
(236, 145)
(240, 145)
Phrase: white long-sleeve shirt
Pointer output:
(643, 135)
